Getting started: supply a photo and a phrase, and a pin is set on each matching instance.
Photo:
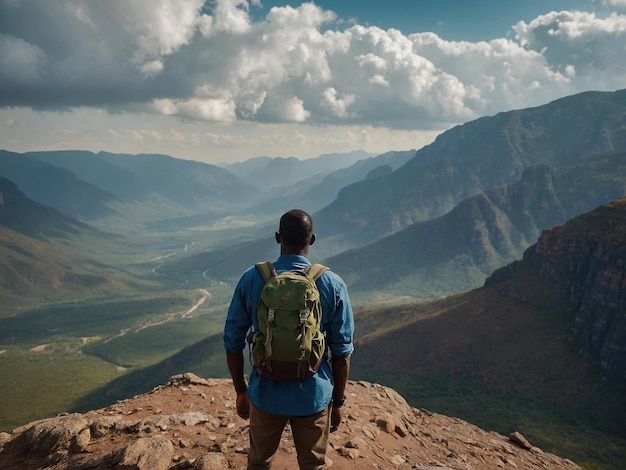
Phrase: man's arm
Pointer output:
(237, 324)
(235, 363)
(339, 337)
(235, 367)
(341, 370)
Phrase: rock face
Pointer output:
(586, 257)
(191, 424)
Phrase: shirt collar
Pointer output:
(296, 259)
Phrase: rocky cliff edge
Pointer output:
(191, 423)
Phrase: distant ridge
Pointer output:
(272, 172)
(23, 215)
(154, 188)
(458, 250)
(480, 155)
(55, 187)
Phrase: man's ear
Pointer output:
(277, 236)
(312, 239)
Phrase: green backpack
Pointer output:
(289, 344)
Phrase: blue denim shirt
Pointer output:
(291, 398)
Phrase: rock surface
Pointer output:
(191, 423)
(586, 258)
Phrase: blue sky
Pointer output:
(226, 80)
(457, 20)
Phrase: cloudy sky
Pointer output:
(225, 80)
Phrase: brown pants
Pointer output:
(310, 436)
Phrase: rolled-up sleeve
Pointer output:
(340, 329)
(238, 320)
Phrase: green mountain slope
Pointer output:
(55, 187)
(46, 256)
(21, 214)
(205, 358)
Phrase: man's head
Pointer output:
(295, 232)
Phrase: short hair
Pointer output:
(296, 228)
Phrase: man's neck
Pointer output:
(287, 251)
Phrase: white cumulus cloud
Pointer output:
(210, 61)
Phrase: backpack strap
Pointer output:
(315, 270)
(267, 270)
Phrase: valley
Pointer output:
(117, 272)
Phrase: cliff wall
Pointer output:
(586, 257)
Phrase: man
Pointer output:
(312, 406)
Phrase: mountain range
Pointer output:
(268, 173)
(456, 251)
(480, 155)
(105, 188)
(470, 202)
(320, 189)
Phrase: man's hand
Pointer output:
(243, 405)
(335, 419)
(235, 367)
